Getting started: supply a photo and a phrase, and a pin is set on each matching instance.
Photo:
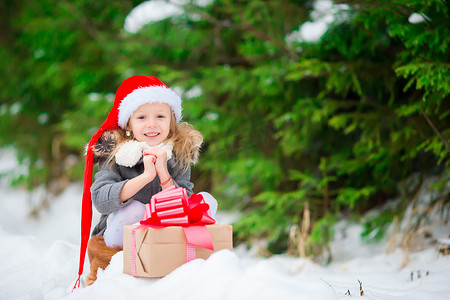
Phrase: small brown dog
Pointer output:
(99, 256)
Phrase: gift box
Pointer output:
(175, 230)
(160, 250)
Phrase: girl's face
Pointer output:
(150, 123)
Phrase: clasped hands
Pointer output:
(155, 163)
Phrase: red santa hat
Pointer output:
(132, 93)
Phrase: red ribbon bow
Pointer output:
(173, 207)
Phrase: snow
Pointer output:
(324, 13)
(156, 10)
(194, 92)
(417, 18)
(39, 260)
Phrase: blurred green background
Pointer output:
(299, 133)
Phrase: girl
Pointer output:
(141, 149)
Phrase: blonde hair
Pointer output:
(185, 138)
(186, 142)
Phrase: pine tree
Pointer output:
(298, 133)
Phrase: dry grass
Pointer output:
(412, 232)
(298, 235)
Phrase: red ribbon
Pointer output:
(172, 207)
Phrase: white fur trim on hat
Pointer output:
(150, 94)
(129, 153)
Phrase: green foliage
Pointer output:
(336, 124)
(376, 226)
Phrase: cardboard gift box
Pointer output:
(160, 250)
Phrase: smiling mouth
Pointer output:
(151, 135)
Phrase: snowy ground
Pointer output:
(39, 260)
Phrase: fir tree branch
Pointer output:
(434, 128)
(381, 5)
(247, 26)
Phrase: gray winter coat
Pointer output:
(109, 181)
